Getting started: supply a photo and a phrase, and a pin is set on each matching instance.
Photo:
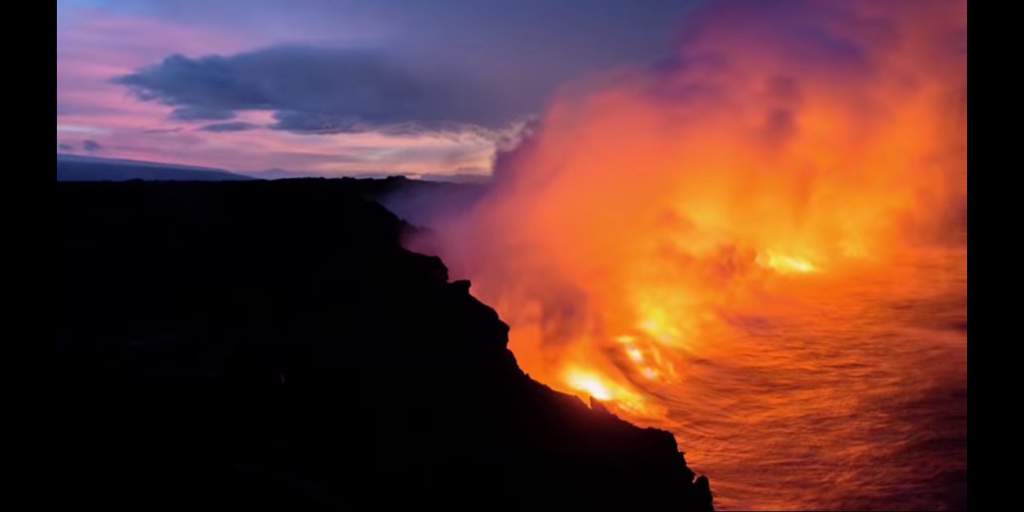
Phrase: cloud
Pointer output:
(66, 147)
(91, 146)
(473, 69)
(319, 90)
(70, 128)
(234, 126)
(201, 114)
(163, 130)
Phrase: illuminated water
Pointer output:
(835, 392)
(855, 400)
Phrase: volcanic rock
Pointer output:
(271, 345)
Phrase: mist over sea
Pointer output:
(857, 401)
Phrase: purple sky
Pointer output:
(331, 87)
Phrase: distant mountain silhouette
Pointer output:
(88, 168)
(277, 174)
(270, 345)
(454, 178)
(85, 168)
(282, 174)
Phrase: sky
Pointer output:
(333, 88)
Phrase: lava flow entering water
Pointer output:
(783, 157)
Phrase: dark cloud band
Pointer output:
(317, 90)
(234, 126)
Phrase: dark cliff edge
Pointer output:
(262, 345)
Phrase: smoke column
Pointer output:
(783, 150)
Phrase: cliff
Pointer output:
(270, 344)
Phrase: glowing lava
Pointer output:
(786, 264)
(588, 383)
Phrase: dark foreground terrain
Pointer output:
(256, 345)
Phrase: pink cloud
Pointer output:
(95, 47)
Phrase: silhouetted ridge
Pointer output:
(85, 168)
(271, 345)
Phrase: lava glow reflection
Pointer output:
(785, 264)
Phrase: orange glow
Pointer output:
(785, 264)
(651, 209)
(588, 383)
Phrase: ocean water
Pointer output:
(845, 393)
(853, 400)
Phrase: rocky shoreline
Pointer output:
(272, 344)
